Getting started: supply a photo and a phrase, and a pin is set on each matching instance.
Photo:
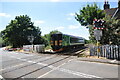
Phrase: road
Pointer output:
(20, 65)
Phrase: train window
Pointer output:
(75, 40)
(54, 37)
(59, 36)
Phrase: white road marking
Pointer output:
(11, 67)
(55, 68)
(30, 61)
(25, 63)
(68, 71)
(1, 77)
(78, 73)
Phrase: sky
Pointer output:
(49, 15)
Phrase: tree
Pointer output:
(112, 31)
(17, 32)
(47, 36)
(86, 16)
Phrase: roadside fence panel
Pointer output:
(108, 51)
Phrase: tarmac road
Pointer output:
(19, 65)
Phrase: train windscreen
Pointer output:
(56, 37)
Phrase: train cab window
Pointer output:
(54, 37)
(59, 36)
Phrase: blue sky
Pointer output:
(48, 16)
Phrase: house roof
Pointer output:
(113, 12)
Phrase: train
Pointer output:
(61, 42)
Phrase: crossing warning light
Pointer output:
(98, 24)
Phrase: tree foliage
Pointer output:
(88, 14)
(112, 31)
(18, 30)
(47, 36)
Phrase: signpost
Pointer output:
(31, 39)
(98, 26)
(98, 34)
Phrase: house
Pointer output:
(113, 12)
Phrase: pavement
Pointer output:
(100, 60)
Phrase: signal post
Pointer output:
(98, 27)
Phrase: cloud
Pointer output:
(38, 22)
(73, 26)
(60, 27)
(71, 14)
(4, 15)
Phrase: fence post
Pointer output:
(114, 52)
(118, 52)
(104, 51)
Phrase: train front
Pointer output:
(56, 42)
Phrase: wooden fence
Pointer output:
(108, 51)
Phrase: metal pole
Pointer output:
(98, 48)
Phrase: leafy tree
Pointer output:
(86, 16)
(18, 30)
(47, 36)
(112, 31)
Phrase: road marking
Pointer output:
(53, 68)
(11, 67)
(1, 78)
(68, 71)
(78, 73)
(56, 68)
(28, 62)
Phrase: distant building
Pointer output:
(113, 12)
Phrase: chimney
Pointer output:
(106, 5)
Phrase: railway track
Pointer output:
(52, 66)
(40, 59)
(32, 62)
(41, 68)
